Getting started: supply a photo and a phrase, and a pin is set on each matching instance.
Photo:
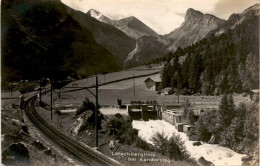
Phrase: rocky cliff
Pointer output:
(195, 27)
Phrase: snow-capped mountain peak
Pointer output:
(131, 26)
(95, 14)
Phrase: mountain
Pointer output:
(114, 40)
(148, 44)
(131, 26)
(237, 19)
(195, 27)
(147, 48)
(39, 39)
(226, 62)
(99, 16)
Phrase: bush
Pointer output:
(233, 135)
(121, 129)
(206, 125)
(173, 148)
(234, 127)
(218, 122)
(140, 143)
(190, 117)
(130, 136)
(176, 149)
(193, 136)
(86, 105)
(26, 87)
(119, 116)
(160, 142)
(114, 127)
(250, 141)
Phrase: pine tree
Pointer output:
(166, 75)
(176, 73)
(224, 86)
(226, 111)
(236, 85)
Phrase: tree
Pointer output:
(86, 105)
(236, 85)
(121, 129)
(251, 127)
(226, 111)
(166, 75)
(206, 125)
(196, 69)
(176, 149)
(186, 106)
(191, 119)
(26, 87)
(160, 142)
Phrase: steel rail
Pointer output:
(86, 154)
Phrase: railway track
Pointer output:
(85, 154)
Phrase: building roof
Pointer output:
(155, 78)
(166, 89)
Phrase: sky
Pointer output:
(163, 16)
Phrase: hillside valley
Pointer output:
(81, 88)
(148, 44)
(111, 38)
(41, 38)
(131, 26)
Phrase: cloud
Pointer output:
(224, 8)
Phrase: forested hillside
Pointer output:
(227, 63)
(39, 39)
(111, 38)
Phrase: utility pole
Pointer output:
(51, 99)
(11, 89)
(96, 108)
(134, 82)
(96, 112)
(40, 92)
(178, 95)
(87, 72)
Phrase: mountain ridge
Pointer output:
(111, 38)
(195, 27)
(236, 19)
(147, 48)
(42, 40)
(131, 25)
(145, 38)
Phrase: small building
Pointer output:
(152, 83)
(186, 128)
(165, 91)
(172, 117)
(143, 111)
